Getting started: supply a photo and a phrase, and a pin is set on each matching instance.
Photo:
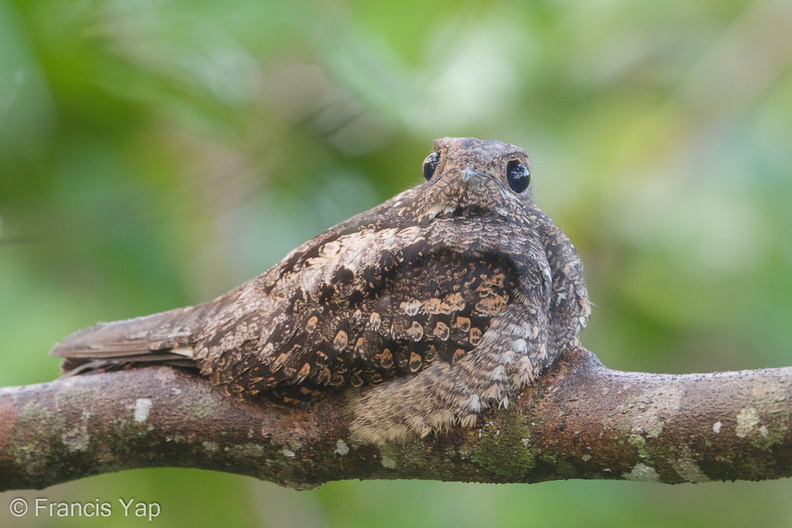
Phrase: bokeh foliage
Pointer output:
(156, 153)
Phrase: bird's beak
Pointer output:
(470, 172)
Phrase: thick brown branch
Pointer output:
(581, 420)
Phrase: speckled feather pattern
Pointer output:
(441, 302)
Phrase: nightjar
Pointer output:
(443, 301)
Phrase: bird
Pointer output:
(438, 304)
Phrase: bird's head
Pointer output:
(471, 177)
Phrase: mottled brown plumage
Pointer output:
(437, 304)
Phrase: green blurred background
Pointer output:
(155, 154)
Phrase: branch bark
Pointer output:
(580, 420)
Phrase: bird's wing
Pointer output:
(352, 319)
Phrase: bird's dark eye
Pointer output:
(518, 176)
(430, 164)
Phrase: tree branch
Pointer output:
(581, 420)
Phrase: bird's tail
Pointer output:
(164, 338)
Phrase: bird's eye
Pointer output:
(518, 176)
(430, 164)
